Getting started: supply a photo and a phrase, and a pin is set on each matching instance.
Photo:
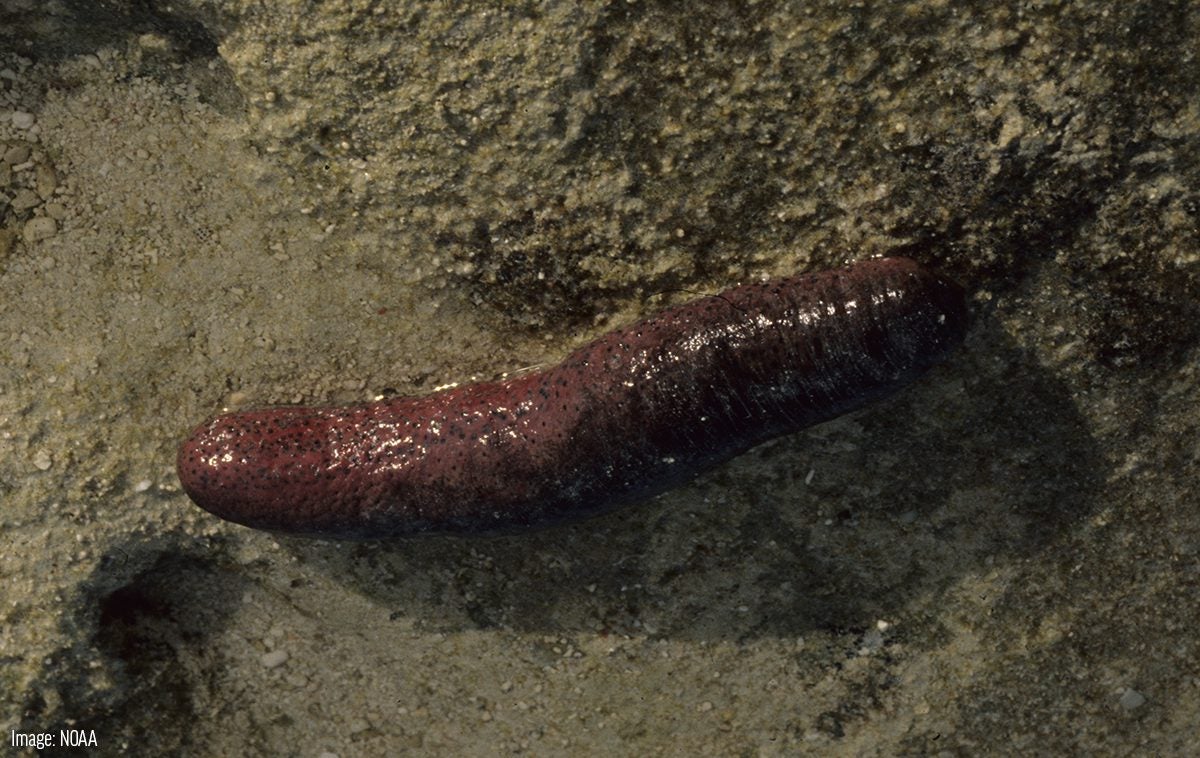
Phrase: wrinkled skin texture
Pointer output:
(632, 414)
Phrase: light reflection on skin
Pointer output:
(400, 442)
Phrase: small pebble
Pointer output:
(40, 228)
(274, 659)
(1132, 699)
(42, 460)
(23, 120)
(46, 180)
(24, 200)
(16, 154)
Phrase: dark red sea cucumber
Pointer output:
(632, 414)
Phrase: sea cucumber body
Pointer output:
(632, 414)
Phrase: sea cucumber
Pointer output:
(632, 414)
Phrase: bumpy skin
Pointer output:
(632, 414)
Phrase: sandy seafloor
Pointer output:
(211, 204)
